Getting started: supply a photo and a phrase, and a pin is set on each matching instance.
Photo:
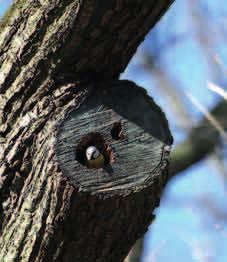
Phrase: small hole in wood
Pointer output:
(117, 131)
(96, 140)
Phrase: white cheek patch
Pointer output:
(88, 156)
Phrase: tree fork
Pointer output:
(60, 61)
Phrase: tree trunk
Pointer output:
(60, 64)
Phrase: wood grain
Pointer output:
(139, 156)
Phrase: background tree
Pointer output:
(186, 64)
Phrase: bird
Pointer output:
(94, 158)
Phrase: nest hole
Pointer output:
(97, 140)
(117, 131)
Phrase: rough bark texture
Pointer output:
(53, 56)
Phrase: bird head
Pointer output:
(92, 153)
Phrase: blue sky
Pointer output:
(3, 6)
(184, 229)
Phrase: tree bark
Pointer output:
(60, 63)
